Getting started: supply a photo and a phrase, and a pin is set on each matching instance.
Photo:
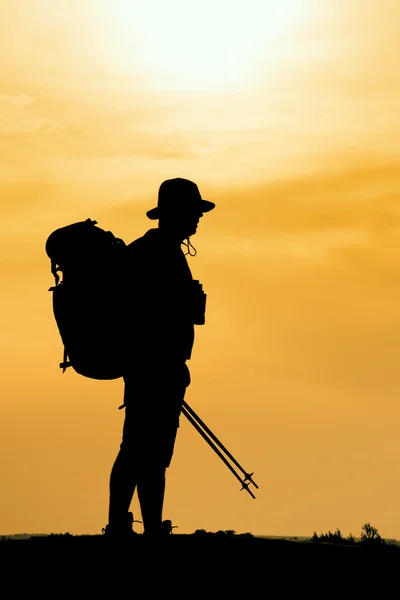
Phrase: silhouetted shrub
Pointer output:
(220, 533)
(370, 536)
(333, 538)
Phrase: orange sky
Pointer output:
(286, 115)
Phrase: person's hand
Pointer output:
(198, 303)
(197, 287)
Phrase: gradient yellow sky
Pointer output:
(286, 114)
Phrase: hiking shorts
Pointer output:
(153, 401)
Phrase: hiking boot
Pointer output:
(165, 528)
(121, 530)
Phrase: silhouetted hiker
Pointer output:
(167, 304)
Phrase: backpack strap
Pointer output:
(65, 363)
(54, 270)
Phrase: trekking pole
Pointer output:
(245, 486)
(247, 476)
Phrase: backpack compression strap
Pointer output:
(65, 363)
(54, 270)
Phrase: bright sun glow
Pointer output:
(202, 45)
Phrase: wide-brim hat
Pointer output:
(179, 196)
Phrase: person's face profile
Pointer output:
(183, 222)
(190, 222)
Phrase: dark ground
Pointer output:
(192, 565)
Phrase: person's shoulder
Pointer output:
(146, 241)
(145, 249)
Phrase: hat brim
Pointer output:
(204, 206)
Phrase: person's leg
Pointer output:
(122, 488)
(123, 478)
(151, 489)
(161, 427)
(152, 406)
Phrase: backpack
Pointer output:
(90, 303)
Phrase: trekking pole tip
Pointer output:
(249, 477)
(245, 486)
